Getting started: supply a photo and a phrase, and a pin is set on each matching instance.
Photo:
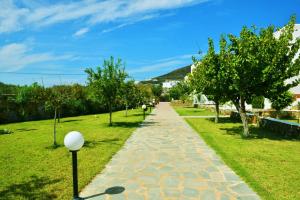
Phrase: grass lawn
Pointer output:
(269, 164)
(291, 120)
(30, 167)
(191, 111)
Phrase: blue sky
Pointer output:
(153, 37)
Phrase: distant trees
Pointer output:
(157, 90)
(129, 94)
(254, 64)
(180, 91)
(107, 82)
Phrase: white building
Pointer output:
(169, 84)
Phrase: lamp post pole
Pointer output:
(144, 107)
(74, 141)
(75, 175)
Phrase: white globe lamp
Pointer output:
(74, 140)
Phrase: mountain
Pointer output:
(177, 74)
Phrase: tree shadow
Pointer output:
(141, 114)
(92, 144)
(224, 120)
(71, 120)
(53, 147)
(147, 123)
(25, 129)
(258, 133)
(125, 124)
(110, 191)
(34, 188)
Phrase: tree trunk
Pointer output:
(244, 118)
(126, 110)
(54, 130)
(110, 115)
(58, 117)
(217, 112)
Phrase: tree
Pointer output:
(208, 77)
(282, 101)
(259, 65)
(107, 82)
(129, 91)
(57, 97)
(157, 90)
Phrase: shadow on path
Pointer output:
(109, 191)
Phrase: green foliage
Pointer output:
(180, 91)
(209, 76)
(107, 82)
(157, 90)
(253, 64)
(282, 101)
(258, 102)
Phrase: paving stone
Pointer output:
(189, 192)
(166, 159)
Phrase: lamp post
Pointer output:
(150, 105)
(74, 141)
(144, 107)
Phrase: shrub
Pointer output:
(258, 102)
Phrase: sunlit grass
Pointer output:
(32, 169)
(268, 163)
(191, 111)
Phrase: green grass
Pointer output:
(32, 169)
(268, 163)
(291, 120)
(191, 111)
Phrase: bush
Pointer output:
(258, 102)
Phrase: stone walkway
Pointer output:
(166, 159)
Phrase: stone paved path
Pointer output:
(166, 159)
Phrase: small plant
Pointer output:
(5, 131)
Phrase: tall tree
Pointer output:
(107, 82)
(208, 77)
(260, 64)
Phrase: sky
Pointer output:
(53, 42)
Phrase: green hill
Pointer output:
(177, 74)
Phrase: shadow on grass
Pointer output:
(91, 144)
(141, 114)
(53, 147)
(125, 124)
(71, 120)
(34, 188)
(110, 191)
(257, 133)
(26, 129)
(223, 120)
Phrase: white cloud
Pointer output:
(16, 56)
(130, 22)
(81, 32)
(92, 12)
(165, 63)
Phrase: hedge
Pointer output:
(287, 129)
